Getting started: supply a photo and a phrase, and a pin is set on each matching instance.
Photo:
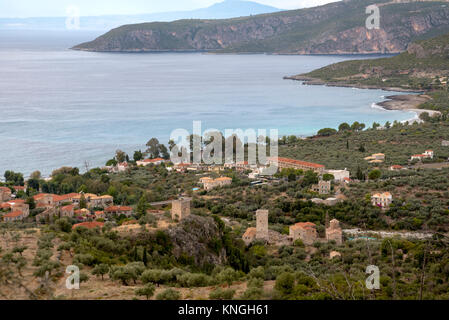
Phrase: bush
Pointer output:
(147, 291)
(285, 284)
(194, 280)
(258, 272)
(222, 294)
(86, 259)
(252, 293)
(169, 294)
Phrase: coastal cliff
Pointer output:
(335, 28)
(423, 67)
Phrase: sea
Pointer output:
(60, 107)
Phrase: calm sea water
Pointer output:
(61, 107)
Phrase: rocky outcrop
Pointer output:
(193, 238)
(335, 28)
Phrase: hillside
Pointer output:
(335, 28)
(424, 65)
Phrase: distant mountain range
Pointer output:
(335, 28)
(223, 10)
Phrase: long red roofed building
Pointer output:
(285, 163)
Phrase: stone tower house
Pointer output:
(262, 224)
(180, 209)
(334, 232)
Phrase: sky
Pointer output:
(52, 8)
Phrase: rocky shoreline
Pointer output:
(405, 102)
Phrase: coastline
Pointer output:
(405, 102)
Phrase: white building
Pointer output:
(382, 200)
(339, 175)
(428, 154)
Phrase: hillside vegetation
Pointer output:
(421, 67)
(333, 28)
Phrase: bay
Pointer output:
(60, 107)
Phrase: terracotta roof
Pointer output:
(64, 197)
(396, 166)
(42, 195)
(19, 188)
(419, 155)
(13, 214)
(5, 189)
(17, 201)
(69, 207)
(99, 213)
(223, 179)
(182, 165)
(117, 208)
(81, 211)
(379, 195)
(303, 225)
(153, 160)
(5, 205)
(89, 225)
(250, 233)
(298, 162)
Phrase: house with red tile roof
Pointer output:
(63, 199)
(20, 188)
(382, 200)
(5, 206)
(181, 167)
(305, 231)
(249, 235)
(428, 154)
(14, 216)
(119, 210)
(68, 211)
(147, 162)
(5, 194)
(100, 215)
(44, 198)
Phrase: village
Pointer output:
(91, 210)
(314, 213)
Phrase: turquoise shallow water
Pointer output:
(62, 107)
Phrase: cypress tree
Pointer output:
(135, 254)
(144, 257)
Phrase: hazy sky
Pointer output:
(47, 8)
